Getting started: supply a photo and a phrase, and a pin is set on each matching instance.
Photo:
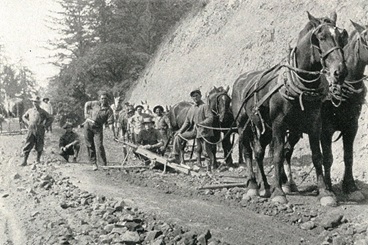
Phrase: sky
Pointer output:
(23, 33)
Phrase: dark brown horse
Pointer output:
(220, 103)
(341, 113)
(267, 104)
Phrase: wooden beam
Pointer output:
(122, 167)
(219, 186)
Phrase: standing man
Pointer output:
(97, 113)
(46, 105)
(136, 122)
(37, 120)
(69, 143)
(162, 124)
(198, 114)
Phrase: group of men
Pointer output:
(144, 129)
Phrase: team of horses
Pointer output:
(319, 91)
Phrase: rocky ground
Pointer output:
(67, 203)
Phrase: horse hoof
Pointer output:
(265, 193)
(328, 201)
(252, 193)
(356, 196)
(280, 199)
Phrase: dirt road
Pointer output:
(59, 203)
(232, 224)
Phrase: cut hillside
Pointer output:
(228, 38)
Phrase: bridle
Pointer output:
(348, 89)
(323, 55)
(216, 110)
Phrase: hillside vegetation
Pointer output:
(228, 38)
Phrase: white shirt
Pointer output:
(47, 107)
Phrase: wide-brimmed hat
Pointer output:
(147, 120)
(195, 91)
(139, 106)
(67, 125)
(158, 107)
(36, 98)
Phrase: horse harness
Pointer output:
(348, 90)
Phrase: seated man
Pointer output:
(150, 138)
(69, 143)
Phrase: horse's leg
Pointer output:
(327, 198)
(326, 143)
(226, 146)
(199, 151)
(259, 152)
(289, 185)
(277, 148)
(252, 187)
(209, 148)
(348, 184)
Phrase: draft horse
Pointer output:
(289, 97)
(341, 112)
(219, 102)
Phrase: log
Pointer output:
(155, 157)
(219, 186)
(160, 159)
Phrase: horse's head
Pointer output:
(361, 36)
(319, 48)
(219, 102)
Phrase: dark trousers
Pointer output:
(34, 140)
(94, 142)
(73, 151)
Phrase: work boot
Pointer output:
(174, 158)
(95, 168)
(24, 163)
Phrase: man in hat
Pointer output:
(198, 114)
(97, 113)
(136, 122)
(149, 137)
(69, 143)
(162, 123)
(37, 120)
(46, 105)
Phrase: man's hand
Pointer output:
(147, 147)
